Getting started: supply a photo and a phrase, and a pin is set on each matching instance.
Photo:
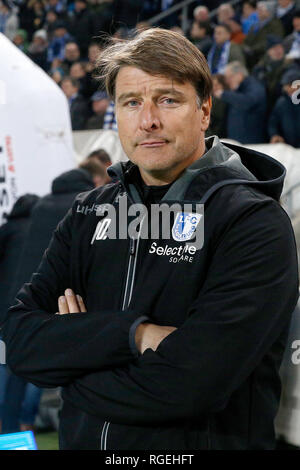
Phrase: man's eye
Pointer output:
(169, 101)
(132, 103)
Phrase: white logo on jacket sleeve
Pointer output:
(101, 230)
(185, 225)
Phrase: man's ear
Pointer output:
(205, 113)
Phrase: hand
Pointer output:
(277, 139)
(148, 335)
(70, 303)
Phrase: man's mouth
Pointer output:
(153, 143)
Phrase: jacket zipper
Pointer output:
(133, 252)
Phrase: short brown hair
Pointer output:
(158, 52)
(94, 167)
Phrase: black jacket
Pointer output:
(12, 237)
(246, 107)
(47, 213)
(285, 120)
(212, 383)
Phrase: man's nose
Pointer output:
(149, 117)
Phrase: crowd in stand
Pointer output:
(253, 51)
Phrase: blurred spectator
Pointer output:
(55, 5)
(110, 121)
(32, 16)
(284, 122)
(249, 18)
(100, 104)
(225, 12)
(200, 35)
(223, 51)
(37, 50)
(12, 237)
(71, 55)
(82, 26)
(44, 219)
(9, 21)
(79, 110)
(201, 14)
(92, 85)
(292, 42)
(284, 12)
(256, 40)
(56, 48)
(247, 105)
(56, 72)
(271, 67)
(20, 40)
(218, 117)
(102, 156)
(50, 23)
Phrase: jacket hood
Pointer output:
(71, 181)
(23, 206)
(247, 167)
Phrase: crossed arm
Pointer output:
(147, 335)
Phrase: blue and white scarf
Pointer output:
(223, 61)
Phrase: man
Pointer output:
(247, 105)
(223, 50)
(256, 40)
(271, 67)
(82, 25)
(180, 345)
(201, 14)
(292, 42)
(79, 109)
(284, 12)
(200, 35)
(284, 122)
(100, 104)
(71, 55)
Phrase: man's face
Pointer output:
(196, 32)
(276, 52)
(161, 126)
(68, 89)
(100, 106)
(233, 80)
(72, 52)
(284, 3)
(263, 13)
(93, 53)
(296, 24)
(221, 35)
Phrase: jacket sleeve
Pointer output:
(274, 127)
(50, 350)
(246, 100)
(246, 302)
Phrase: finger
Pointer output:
(81, 303)
(72, 301)
(62, 305)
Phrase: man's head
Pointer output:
(296, 21)
(249, 7)
(96, 169)
(222, 34)
(275, 49)
(225, 12)
(70, 86)
(291, 81)
(77, 70)
(200, 30)
(285, 3)
(80, 5)
(72, 52)
(100, 102)
(264, 11)
(60, 29)
(234, 74)
(162, 98)
(102, 156)
(201, 13)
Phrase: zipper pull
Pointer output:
(132, 246)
